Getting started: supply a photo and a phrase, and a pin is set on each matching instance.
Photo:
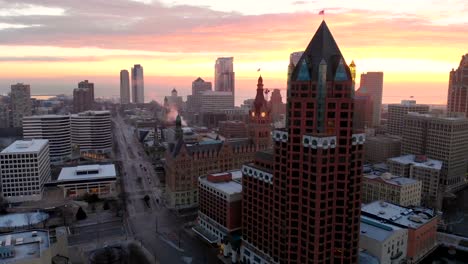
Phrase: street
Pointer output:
(158, 229)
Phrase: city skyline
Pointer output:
(415, 47)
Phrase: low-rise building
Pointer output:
(379, 148)
(219, 214)
(421, 224)
(387, 187)
(25, 167)
(33, 247)
(422, 169)
(388, 243)
(88, 179)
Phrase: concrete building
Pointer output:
(88, 179)
(219, 213)
(25, 167)
(363, 111)
(214, 101)
(194, 100)
(20, 103)
(34, 247)
(174, 101)
(138, 86)
(56, 129)
(124, 87)
(83, 97)
(379, 148)
(5, 113)
(388, 243)
(420, 223)
(439, 138)
(224, 76)
(301, 202)
(422, 169)
(397, 113)
(233, 129)
(457, 100)
(372, 84)
(395, 189)
(278, 108)
(91, 131)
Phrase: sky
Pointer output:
(54, 44)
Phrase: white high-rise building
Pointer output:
(124, 87)
(20, 103)
(55, 128)
(25, 167)
(91, 131)
(138, 87)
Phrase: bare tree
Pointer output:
(29, 218)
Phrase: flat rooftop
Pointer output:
(229, 187)
(25, 146)
(375, 230)
(87, 172)
(390, 179)
(25, 245)
(410, 159)
(399, 215)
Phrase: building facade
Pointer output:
(124, 87)
(56, 129)
(225, 76)
(219, 214)
(395, 189)
(25, 167)
(379, 148)
(138, 85)
(422, 169)
(88, 179)
(372, 84)
(20, 103)
(278, 108)
(233, 129)
(215, 101)
(185, 163)
(439, 138)
(91, 131)
(194, 100)
(421, 224)
(457, 100)
(386, 242)
(174, 102)
(301, 203)
(363, 111)
(83, 97)
(397, 113)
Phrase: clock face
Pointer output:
(263, 114)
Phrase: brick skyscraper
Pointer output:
(301, 203)
(458, 88)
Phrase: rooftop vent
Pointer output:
(381, 212)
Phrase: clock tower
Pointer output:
(260, 119)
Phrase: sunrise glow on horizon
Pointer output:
(415, 48)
